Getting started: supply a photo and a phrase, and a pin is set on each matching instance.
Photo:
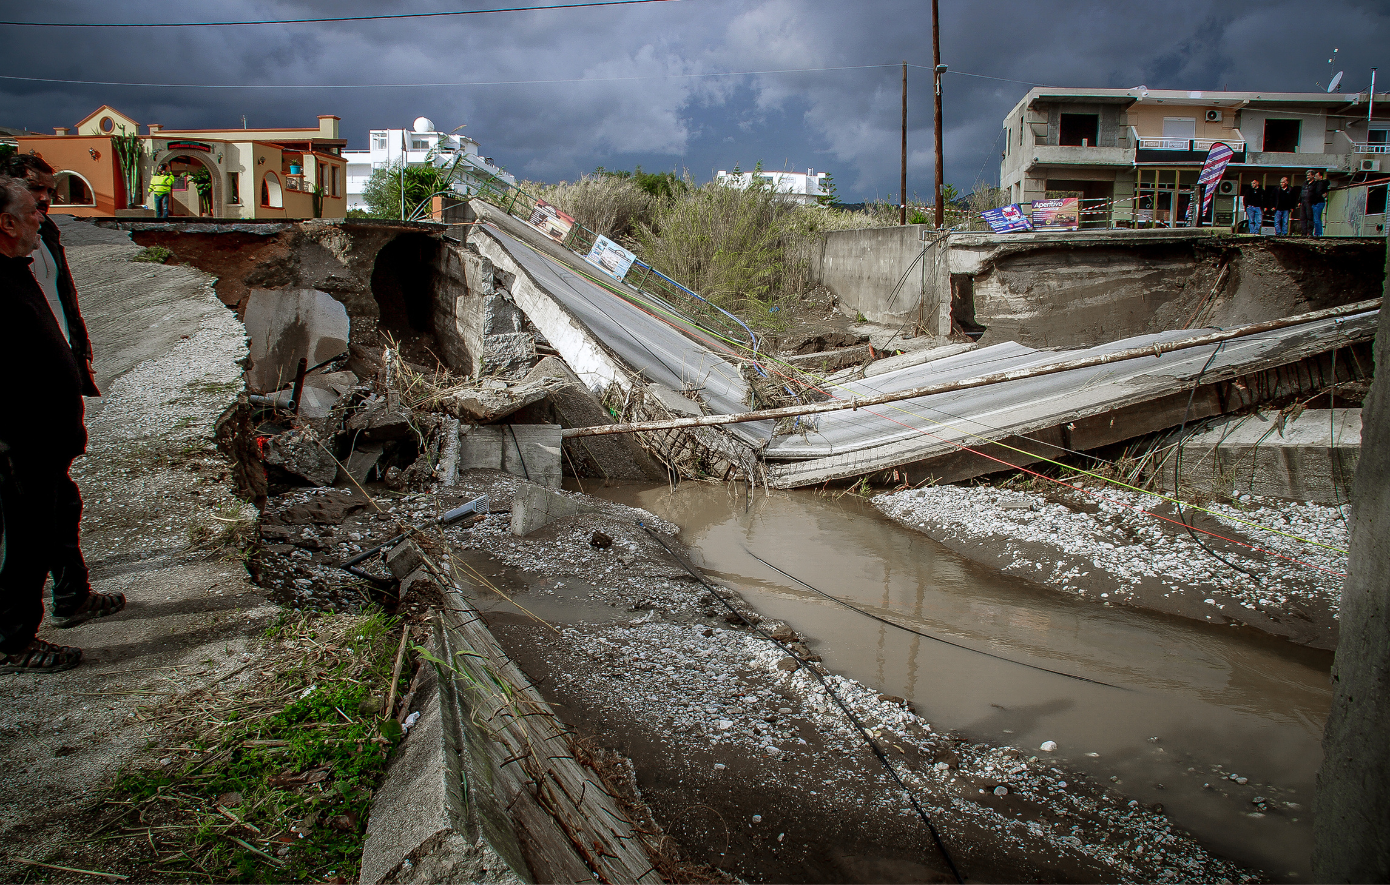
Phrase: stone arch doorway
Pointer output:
(404, 283)
(188, 199)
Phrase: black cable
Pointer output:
(307, 21)
(520, 457)
(868, 614)
(1177, 471)
(863, 732)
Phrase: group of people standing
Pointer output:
(1309, 200)
(46, 360)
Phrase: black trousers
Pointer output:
(71, 586)
(35, 502)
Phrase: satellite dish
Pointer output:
(425, 124)
(1336, 81)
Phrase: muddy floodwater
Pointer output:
(1188, 707)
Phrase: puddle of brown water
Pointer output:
(1253, 705)
(566, 600)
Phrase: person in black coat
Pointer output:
(41, 431)
(1254, 197)
(1286, 199)
(74, 601)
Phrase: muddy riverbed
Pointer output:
(1219, 725)
(747, 761)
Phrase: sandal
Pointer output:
(97, 605)
(42, 657)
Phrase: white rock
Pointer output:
(1048, 746)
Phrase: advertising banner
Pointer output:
(551, 221)
(610, 258)
(1215, 166)
(1006, 219)
(1063, 214)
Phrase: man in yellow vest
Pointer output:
(161, 185)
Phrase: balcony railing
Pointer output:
(1363, 148)
(1187, 144)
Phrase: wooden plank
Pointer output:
(521, 779)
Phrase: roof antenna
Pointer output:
(1331, 66)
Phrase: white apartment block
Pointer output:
(794, 186)
(420, 145)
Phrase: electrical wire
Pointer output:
(869, 614)
(329, 19)
(819, 677)
(449, 85)
(1177, 471)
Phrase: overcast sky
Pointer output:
(628, 96)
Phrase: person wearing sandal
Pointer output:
(41, 432)
(73, 599)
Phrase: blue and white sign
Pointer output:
(1007, 219)
(610, 258)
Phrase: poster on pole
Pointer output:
(1218, 158)
(1061, 214)
(551, 221)
(610, 258)
(1006, 219)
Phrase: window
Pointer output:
(1375, 199)
(233, 187)
(1377, 136)
(271, 195)
(107, 124)
(1079, 130)
(1180, 127)
(378, 141)
(1281, 136)
(333, 175)
(72, 190)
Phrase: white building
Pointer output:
(420, 145)
(797, 187)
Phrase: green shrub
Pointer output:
(153, 254)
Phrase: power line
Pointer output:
(453, 85)
(327, 20)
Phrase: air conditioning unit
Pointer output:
(1370, 166)
(1226, 188)
(1213, 116)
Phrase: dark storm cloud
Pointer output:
(842, 121)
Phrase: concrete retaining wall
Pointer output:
(1070, 289)
(863, 268)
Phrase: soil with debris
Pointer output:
(744, 758)
(1270, 565)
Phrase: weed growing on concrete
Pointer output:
(153, 255)
(271, 781)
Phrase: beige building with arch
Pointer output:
(285, 173)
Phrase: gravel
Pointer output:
(1107, 548)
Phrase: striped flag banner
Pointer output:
(1212, 170)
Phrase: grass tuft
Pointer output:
(269, 782)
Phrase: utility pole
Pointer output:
(936, 112)
(902, 187)
(1371, 106)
